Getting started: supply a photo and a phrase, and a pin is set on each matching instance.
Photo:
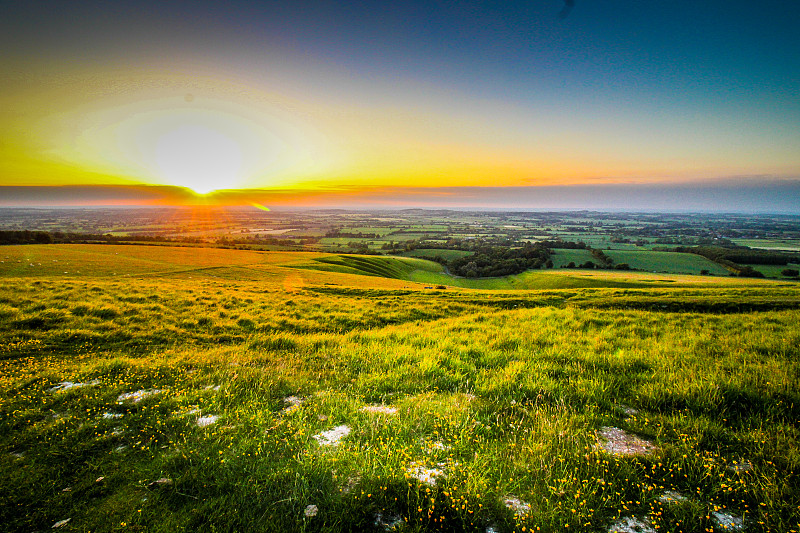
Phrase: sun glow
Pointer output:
(203, 144)
(199, 158)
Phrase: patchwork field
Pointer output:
(563, 257)
(426, 253)
(666, 262)
(179, 389)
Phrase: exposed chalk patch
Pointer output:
(727, 521)
(138, 396)
(518, 506)
(631, 524)
(619, 442)
(671, 496)
(332, 437)
(204, 421)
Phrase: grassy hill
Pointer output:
(430, 273)
(171, 389)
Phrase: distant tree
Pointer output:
(602, 258)
(790, 272)
(587, 264)
(571, 264)
(623, 266)
(43, 237)
(705, 272)
(470, 269)
(749, 272)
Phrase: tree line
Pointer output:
(732, 258)
(60, 237)
(493, 261)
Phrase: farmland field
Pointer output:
(563, 257)
(666, 262)
(774, 271)
(770, 244)
(153, 388)
(426, 253)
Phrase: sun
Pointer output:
(200, 144)
(198, 157)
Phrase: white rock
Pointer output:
(619, 442)
(67, 385)
(310, 511)
(631, 524)
(670, 496)
(518, 506)
(629, 411)
(740, 466)
(294, 404)
(204, 421)
(137, 396)
(423, 474)
(727, 521)
(332, 437)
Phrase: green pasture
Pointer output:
(770, 244)
(774, 271)
(671, 262)
(562, 257)
(592, 239)
(378, 230)
(427, 253)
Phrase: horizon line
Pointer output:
(761, 194)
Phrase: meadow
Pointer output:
(152, 388)
(667, 262)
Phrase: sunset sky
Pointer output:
(525, 104)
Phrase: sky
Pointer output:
(665, 103)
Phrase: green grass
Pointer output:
(592, 239)
(502, 391)
(427, 253)
(770, 244)
(670, 262)
(563, 257)
(430, 273)
(367, 265)
(774, 271)
(377, 230)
